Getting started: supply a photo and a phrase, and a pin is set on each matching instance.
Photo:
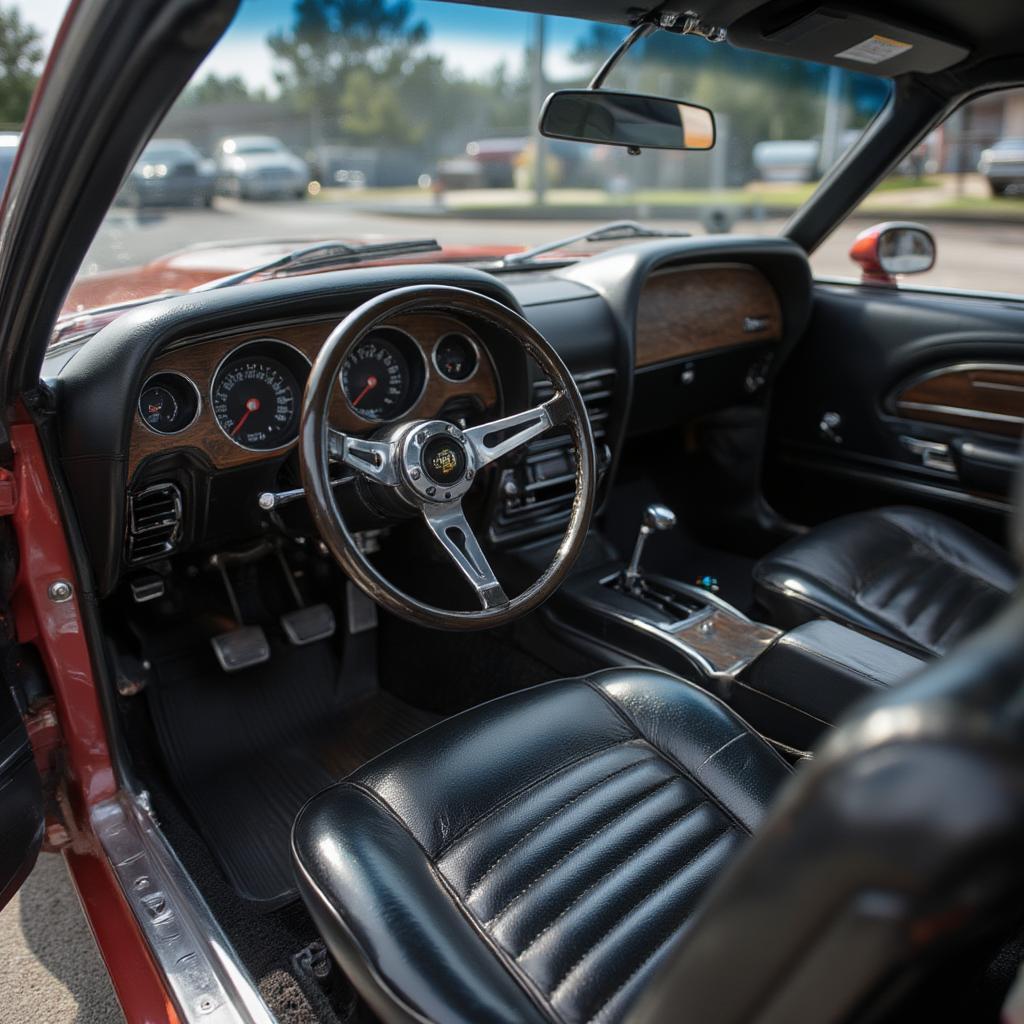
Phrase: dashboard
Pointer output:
(176, 416)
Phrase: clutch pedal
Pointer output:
(245, 646)
(241, 648)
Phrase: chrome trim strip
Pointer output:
(956, 410)
(202, 972)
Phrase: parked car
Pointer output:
(786, 159)
(1003, 164)
(170, 172)
(260, 167)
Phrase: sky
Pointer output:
(472, 39)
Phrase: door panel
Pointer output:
(21, 800)
(900, 396)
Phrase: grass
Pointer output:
(900, 197)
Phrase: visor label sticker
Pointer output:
(875, 50)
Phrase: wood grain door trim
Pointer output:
(979, 396)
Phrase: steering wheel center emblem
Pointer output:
(443, 459)
(438, 463)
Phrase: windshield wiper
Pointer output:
(614, 231)
(321, 256)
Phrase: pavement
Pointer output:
(50, 969)
(979, 255)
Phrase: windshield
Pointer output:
(401, 120)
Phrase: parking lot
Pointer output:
(984, 255)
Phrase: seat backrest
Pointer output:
(898, 849)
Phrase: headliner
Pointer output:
(989, 29)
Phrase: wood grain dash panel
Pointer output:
(199, 358)
(688, 310)
(982, 397)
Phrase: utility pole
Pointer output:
(833, 126)
(537, 94)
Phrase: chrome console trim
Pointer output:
(202, 972)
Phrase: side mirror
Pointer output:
(894, 247)
(626, 119)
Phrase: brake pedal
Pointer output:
(241, 648)
(309, 624)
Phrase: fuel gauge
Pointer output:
(168, 403)
(456, 357)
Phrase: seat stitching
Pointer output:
(674, 761)
(660, 885)
(561, 807)
(484, 815)
(677, 927)
(568, 853)
(518, 976)
(682, 816)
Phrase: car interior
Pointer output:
(646, 648)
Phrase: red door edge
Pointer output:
(48, 616)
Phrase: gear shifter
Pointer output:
(656, 517)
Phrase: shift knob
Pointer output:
(659, 517)
(655, 517)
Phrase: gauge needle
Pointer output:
(251, 406)
(371, 383)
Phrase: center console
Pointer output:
(790, 686)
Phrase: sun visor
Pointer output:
(830, 35)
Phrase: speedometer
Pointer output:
(383, 376)
(255, 399)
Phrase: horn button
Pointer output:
(436, 461)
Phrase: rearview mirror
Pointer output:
(626, 119)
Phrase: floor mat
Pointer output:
(246, 750)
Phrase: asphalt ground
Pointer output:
(972, 255)
(50, 969)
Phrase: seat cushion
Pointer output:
(907, 575)
(534, 858)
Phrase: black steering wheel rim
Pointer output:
(318, 442)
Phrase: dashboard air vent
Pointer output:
(154, 522)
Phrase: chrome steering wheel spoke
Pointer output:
(449, 525)
(520, 427)
(376, 460)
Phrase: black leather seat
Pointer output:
(532, 859)
(907, 575)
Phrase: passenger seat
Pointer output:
(907, 575)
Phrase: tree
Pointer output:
(20, 55)
(371, 42)
(215, 89)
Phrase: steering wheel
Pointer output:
(429, 465)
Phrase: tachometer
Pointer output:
(255, 399)
(382, 376)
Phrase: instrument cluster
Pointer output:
(255, 393)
